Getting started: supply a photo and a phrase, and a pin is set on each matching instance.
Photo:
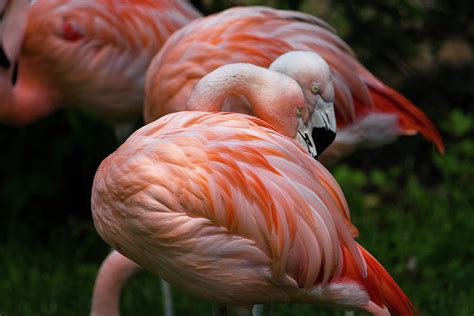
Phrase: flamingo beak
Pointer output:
(5, 65)
(320, 130)
(4, 62)
(324, 125)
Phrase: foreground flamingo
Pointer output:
(369, 113)
(87, 54)
(302, 65)
(233, 210)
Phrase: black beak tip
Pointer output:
(4, 62)
(322, 137)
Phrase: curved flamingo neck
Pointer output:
(228, 81)
(271, 96)
(113, 273)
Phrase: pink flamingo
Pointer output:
(232, 209)
(303, 64)
(87, 54)
(368, 112)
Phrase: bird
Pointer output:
(232, 208)
(320, 104)
(369, 113)
(92, 55)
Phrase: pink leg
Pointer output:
(113, 273)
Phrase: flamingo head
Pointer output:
(313, 75)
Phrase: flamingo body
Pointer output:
(88, 54)
(226, 208)
(257, 35)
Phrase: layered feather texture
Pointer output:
(224, 207)
(258, 35)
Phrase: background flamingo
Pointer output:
(368, 112)
(250, 202)
(87, 54)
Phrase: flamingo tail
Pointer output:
(383, 290)
(410, 118)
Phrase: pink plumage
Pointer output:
(87, 54)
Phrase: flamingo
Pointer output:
(233, 209)
(303, 64)
(369, 113)
(87, 54)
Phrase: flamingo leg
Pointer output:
(167, 298)
(258, 310)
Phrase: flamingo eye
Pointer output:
(315, 89)
(299, 111)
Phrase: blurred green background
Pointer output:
(412, 205)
